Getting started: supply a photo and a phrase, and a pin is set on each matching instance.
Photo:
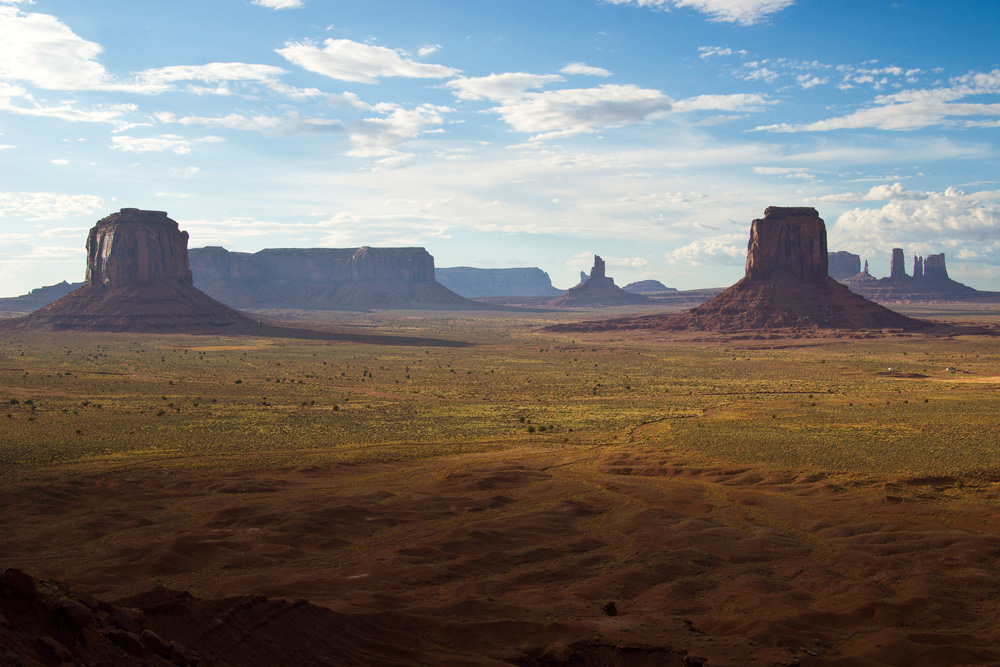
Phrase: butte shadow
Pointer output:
(786, 288)
(139, 281)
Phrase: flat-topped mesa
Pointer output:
(787, 239)
(324, 278)
(134, 247)
(844, 264)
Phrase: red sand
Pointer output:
(510, 557)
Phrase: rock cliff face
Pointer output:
(134, 247)
(844, 264)
(138, 279)
(598, 291)
(790, 241)
(323, 278)
(475, 283)
(786, 286)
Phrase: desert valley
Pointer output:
(786, 474)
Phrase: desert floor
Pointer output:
(481, 501)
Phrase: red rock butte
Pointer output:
(138, 279)
(786, 286)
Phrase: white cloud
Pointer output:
(210, 73)
(583, 68)
(347, 60)
(379, 137)
(709, 51)
(797, 173)
(722, 249)
(278, 4)
(951, 221)
(915, 109)
(581, 110)
(734, 102)
(743, 12)
(27, 106)
(234, 122)
(506, 86)
(166, 142)
(428, 49)
(42, 50)
(47, 205)
(876, 193)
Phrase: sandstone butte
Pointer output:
(138, 279)
(786, 286)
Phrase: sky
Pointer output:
(504, 134)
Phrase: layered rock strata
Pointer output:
(324, 279)
(138, 279)
(786, 286)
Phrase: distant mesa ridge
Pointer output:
(844, 264)
(324, 278)
(648, 287)
(786, 286)
(475, 283)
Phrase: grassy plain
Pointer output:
(830, 404)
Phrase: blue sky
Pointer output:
(500, 134)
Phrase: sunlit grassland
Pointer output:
(206, 400)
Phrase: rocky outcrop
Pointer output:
(786, 286)
(475, 283)
(598, 291)
(844, 264)
(324, 279)
(138, 279)
(648, 287)
(918, 267)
